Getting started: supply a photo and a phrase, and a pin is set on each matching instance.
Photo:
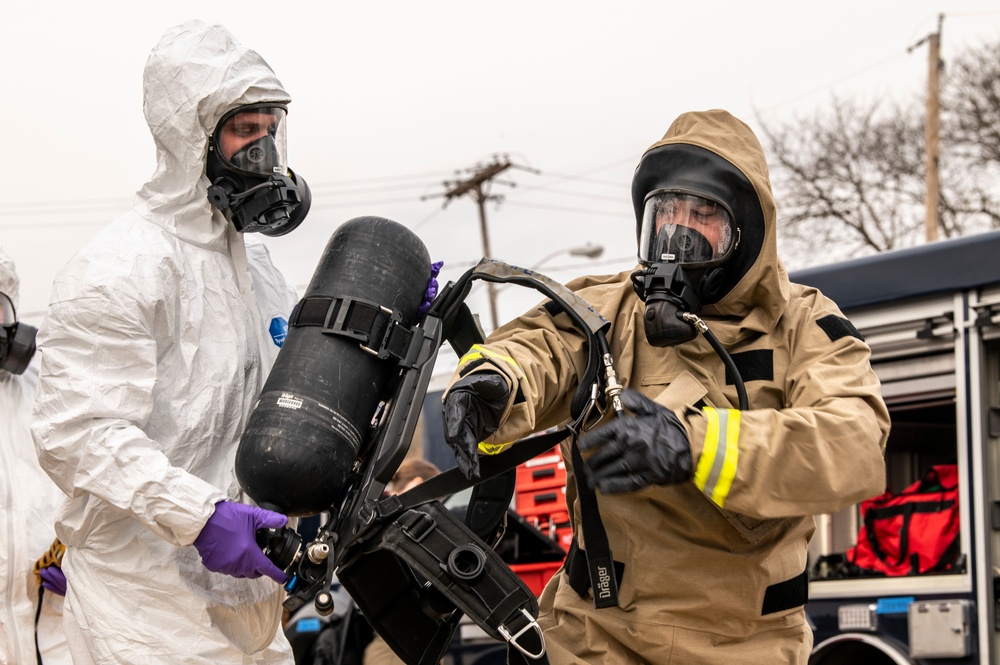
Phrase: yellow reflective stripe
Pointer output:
(471, 355)
(717, 465)
(707, 459)
(732, 457)
(492, 448)
(477, 352)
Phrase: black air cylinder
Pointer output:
(316, 408)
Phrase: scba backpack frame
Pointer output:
(336, 417)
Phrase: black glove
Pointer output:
(633, 452)
(472, 411)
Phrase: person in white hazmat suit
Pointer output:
(29, 501)
(158, 337)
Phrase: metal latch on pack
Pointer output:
(513, 639)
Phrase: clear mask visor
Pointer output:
(8, 316)
(252, 141)
(685, 229)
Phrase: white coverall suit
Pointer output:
(159, 335)
(29, 502)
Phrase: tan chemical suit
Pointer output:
(704, 561)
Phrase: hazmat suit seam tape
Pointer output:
(717, 466)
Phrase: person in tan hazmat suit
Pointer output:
(707, 507)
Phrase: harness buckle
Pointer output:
(512, 639)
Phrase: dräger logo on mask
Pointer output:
(278, 330)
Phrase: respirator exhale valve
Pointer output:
(267, 206)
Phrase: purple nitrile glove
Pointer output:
(53, 580)
(432, 288)
(228, 541)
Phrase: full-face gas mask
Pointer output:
(247, 166)
(17, 340)
(684, 239)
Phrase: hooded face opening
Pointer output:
(693, 170)
(8, 316)
(250, 181)
(251, 140)
(687, 229)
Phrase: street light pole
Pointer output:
(589, 250)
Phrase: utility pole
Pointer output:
(477, 186)
(932, 130)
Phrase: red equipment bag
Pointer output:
(913, 532)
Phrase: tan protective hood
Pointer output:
(760, 297)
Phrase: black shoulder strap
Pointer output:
(453, 480)
(600, 562)
(460, 329)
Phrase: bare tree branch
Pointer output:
(849, 179)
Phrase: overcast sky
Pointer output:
(392, 98)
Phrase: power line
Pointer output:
(837, 81)
(543, 206)
(51, 207)
(872, 66)
(320, 205)
(63, 208)
(325, 191)
(30, 206)
(55, 225)
(434, 213)
(584, 195)
(590, 181)
(581, 177)
(388, 178)
(478, 186)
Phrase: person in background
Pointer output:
(29, 502)
(707, 505)
(411, 472)
(158, 337)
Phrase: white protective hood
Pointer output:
(9, 283)
(193, 77)
(158, 337)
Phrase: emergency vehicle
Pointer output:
(931, 315)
